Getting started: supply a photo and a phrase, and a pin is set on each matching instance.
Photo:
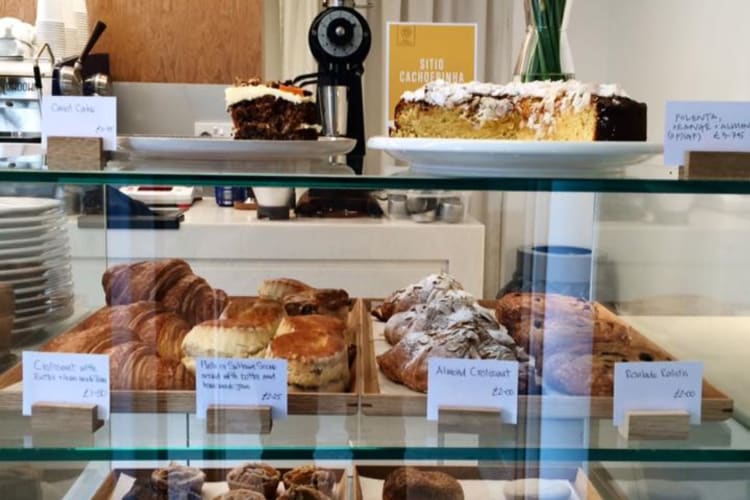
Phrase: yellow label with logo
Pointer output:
(419, 53)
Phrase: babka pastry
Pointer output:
(419, 293)
(540, 110)
(142, 490)
(408, 483)
(328, 302)
(316, 361)
(256, 477)
(304, 493)
(277, 289)
(226, 338)
(176, 478)
(313, 322)
(272, 111)
(242, 495)
(322, 480)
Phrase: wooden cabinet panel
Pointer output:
(175, 41)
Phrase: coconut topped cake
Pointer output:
(544, 110)
(272, 111)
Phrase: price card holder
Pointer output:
(657, 401)
(239, 419)
(61, 418)
(74, 153)
(716, 165)
(656, 425)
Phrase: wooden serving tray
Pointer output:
(577, 478)
(299, 403)
(391, 401)
(107, 489)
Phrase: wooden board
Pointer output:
(107, 488)
(717, 406)
(577, 478)
(299, 403)
(185, 41)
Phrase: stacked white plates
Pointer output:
(50, 25)
(35, 261)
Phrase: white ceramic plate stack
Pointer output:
(35, 261)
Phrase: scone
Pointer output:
(257, 477)
(277, 289)
(316, 361)
(537, 489)
(328, 302)
(407, 483)
(322, 480)
(313, 322)
(225, 338)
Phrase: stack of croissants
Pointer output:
(160, 317)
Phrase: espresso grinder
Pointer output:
(340, 40)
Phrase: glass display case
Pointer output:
(647, 268)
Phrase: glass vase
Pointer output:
(546, 54)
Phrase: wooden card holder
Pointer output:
(239, 420)
(716, 165)
(74, 153)
(65, 418)
(459, 420)
(656, 426)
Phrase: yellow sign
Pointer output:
(419, 53)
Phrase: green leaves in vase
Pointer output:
(546, 61)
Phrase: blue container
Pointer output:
(226, 196)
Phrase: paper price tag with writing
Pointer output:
(66, 378)
(80, 117)
(658, 386)
(705, 126)
(241, 382)
(473, 383)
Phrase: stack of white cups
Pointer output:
(71, 32)
(81, 22)
(50, 25)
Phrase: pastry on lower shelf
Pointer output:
(316, 362)
(537, 489)
(304, 493)
(322, 480)
(177, 478)
(272, 111)
(540, 110)
(261, 478)
(226, 338)
(312, 322)
(323, 301)
(407, 483)
(277, 289)
(426, 290)
(142, 490)
(242, 495)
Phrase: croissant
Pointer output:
(153, 324)
(135, 366)
(96, 340)
(171, 283)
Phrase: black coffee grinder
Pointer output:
(340, 40)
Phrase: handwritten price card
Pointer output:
(241, 382)
(419, 53)
(80, 117)
(705, 126)
(66, 378)
(662, 386)
(470, 383)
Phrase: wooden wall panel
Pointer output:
(175, 41)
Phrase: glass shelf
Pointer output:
(653, 184)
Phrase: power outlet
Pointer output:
(213, 129)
